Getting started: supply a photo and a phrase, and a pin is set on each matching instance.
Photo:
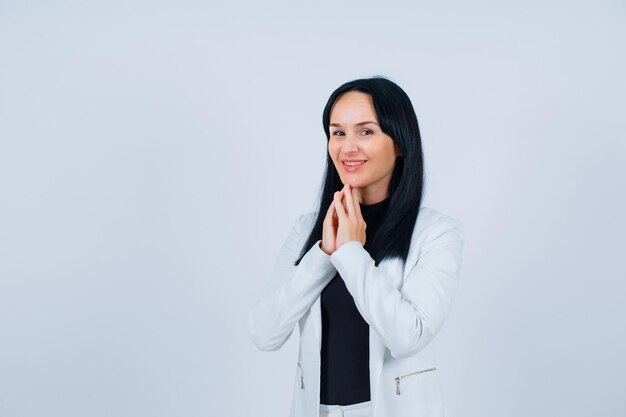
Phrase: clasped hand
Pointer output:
(343, 221)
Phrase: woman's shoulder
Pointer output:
(307, 217)
(430, 219)
(305, 221)
(431, 215)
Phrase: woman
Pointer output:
(371, 275)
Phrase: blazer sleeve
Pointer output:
(407, 319)
(290, 290)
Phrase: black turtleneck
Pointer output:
(345, 375)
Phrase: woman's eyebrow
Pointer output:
(357, 124)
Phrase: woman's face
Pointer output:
(355, 136)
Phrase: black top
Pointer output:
(345, 377)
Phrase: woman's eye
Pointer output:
(337, 133)
(367, 130)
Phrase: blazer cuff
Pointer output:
(350, 253)
(317, 259)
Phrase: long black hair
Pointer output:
(397, 119)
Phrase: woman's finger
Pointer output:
(329, 231)
(331, 215)
(329, 212)
(357, 205)
(338, 206)
(349, 201)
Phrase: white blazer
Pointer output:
(404, 306)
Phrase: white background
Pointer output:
(154, 156)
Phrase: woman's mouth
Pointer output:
(351, 166)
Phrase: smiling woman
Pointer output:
(371, 275)
(363, 154)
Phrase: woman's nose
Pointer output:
(350, 144)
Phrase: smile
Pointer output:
(352, 166)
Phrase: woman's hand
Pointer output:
(329, 230)
(351, 223)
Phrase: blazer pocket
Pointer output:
(301, 376)
(410, 375)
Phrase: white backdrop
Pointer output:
(154, 156)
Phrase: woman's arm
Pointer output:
(409, 318)
(290, 290)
